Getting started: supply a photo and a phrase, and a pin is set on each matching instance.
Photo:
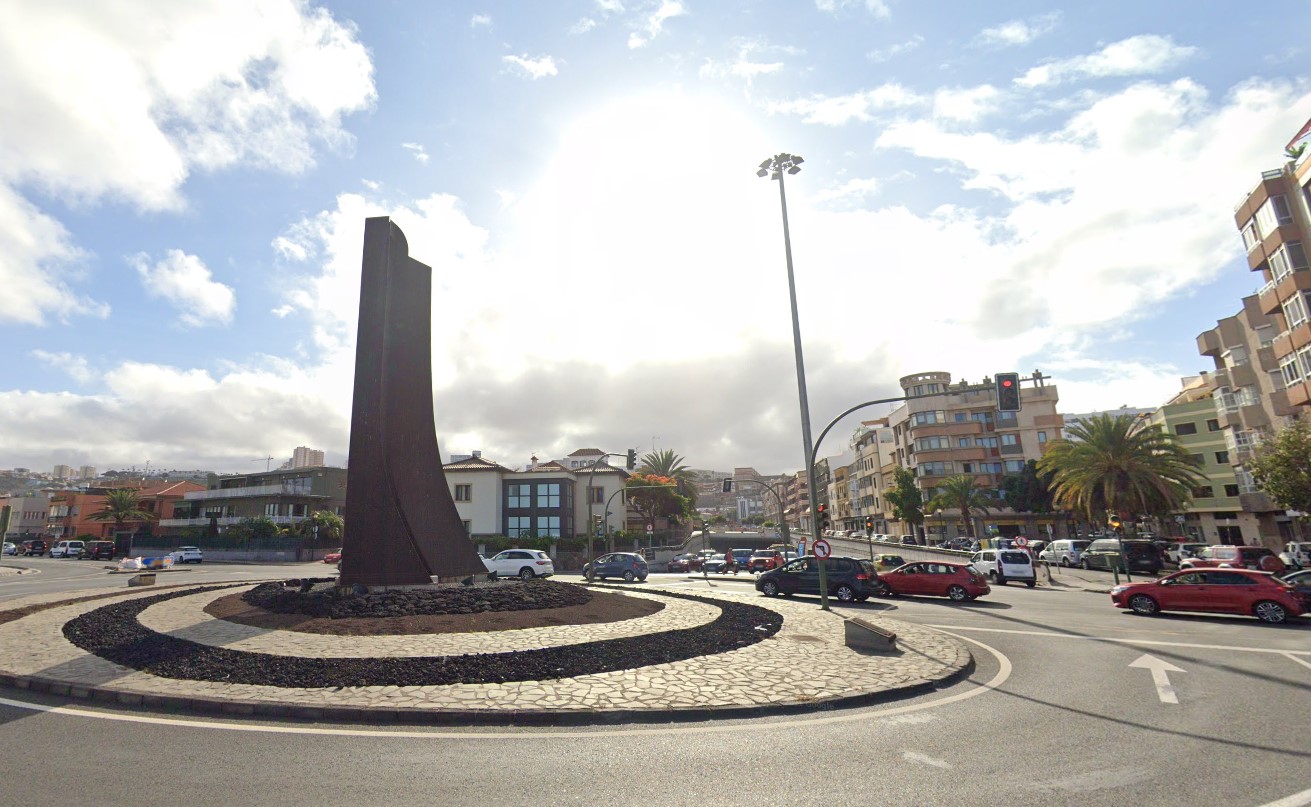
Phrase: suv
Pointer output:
(848, 579)
(98, 550)
(1236, 557)
(762, 560)
(67, 549)
(628, 565)
(1004, 565)
(1104, 553)
(35, 546)
(739, 558)
(1064, 552)
(524, 564)
(187, 554)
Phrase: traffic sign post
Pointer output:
(1020, 540)
(823, 549)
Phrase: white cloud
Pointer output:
(878, 8)
(480, 21)
(966, 105)
(1019, 32)
(653, 24)
(185, 282)
(582, 26)
(416, 149)
(38, 261)
(1137, 55)
(885, 54)
(853, 190)
(532, 68)
(282, 311)
(839, 110)
(610, 6)
(75, 366)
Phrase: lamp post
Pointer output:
(774, 168)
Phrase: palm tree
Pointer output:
(121, 505)
(961, 493)
(667, 463)
(1119, 465)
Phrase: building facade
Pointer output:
(285, 496)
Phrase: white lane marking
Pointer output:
(1004, 669)
(1296, 800)
(915, 756)
(1289, 655)
(1159, 669)
(1155, 642)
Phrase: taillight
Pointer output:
(862, 576)
(543, 562)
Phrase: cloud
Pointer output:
(878, 8)
(582, 26)
(480, 21)
(532, 68)
(652, 25)
(420, 155)
(839, 110)
(75, 366)
(186, 283)
(1137, 55)
(853, 190)
(110, 114)
(1018, 32)
(966, 105)
(888, 53)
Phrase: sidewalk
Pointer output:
(806, 666)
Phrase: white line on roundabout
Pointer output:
(528, 732)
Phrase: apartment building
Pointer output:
(305, 457)
(286, 496)
(71, 511)
(25, 516)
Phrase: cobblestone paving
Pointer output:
(807, 663)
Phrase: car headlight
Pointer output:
(1119, 590)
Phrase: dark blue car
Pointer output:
(628, 565)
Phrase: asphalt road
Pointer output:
(1055, 713)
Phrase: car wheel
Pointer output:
(1143, 604)
(769, 588)
(527, 574)
(629, 576)
(1030, 583)
(845, 593)
(1270, 612)
(862, 598)
(958, 593)
(1065, 562)
(1083, 564)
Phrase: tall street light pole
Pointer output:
(775, 167)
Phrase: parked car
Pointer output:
(1004, 565)
(736, 560)
(1065, 552)
(959, 581)
(10, 548)
(957, 544)
(35, 546)
(1104, 553)
(332, 557)
(680, 563)
(1298, 553)
(67, 549)
(886, 563)
(908, 540)
(98, 550)
(522, 563)
(1177, 552)
(762, 560)
(848, 579)
(1213, 590)
(628, 565)
(187, 554)
(1235, 557)
(713, 563)
(1301, 583)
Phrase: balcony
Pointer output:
(250, 491)
(226, 521)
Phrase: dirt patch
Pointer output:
(603, 607)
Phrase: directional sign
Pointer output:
(822, 549)
(1159, 669)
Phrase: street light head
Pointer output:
(794, 170)
(796, 160)
(762, 172)
(767, 163)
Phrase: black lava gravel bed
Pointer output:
(113, 632)
(328, 602)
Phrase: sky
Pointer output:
(987, 187)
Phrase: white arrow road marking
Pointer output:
(1159, 669)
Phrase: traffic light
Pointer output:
(632, 458)
(869, 527)
(823, 517)
(1115, 523)
(1008, 392)
(728, 485)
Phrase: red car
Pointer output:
(762, 560)
(1219, 591)
(959, 581)
(332, 557)
(1236, 557)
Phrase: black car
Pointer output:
(36, 547)
(97, 550)
(1104, 553)
(848, 579)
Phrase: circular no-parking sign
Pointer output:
(1021, 541)
(822, 549)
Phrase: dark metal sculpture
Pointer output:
(402, 527)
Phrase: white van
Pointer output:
(1003, 565)
(66, 549)
(1299, 552)
(1064, 553)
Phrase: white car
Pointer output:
(66, 549)
(187, 554)
(522, 563)
(10, 548)
(1003, 565)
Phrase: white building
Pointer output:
(304, 457)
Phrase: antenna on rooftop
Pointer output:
(268, 461)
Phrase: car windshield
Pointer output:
(1014, 557)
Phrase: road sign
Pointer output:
(1021, 541)
(650, 528)
(823, 549)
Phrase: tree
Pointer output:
(654, 496)
(667, 463)
(122, 505)
(1026, 491)
(261, 527)
(907, 501)
(1118, 464)
(1282, 467)
(962, 493)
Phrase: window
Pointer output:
(548, 495)
(1202, 492)
(1250, 236)
(986, 442)
(1272, 214)
(962, 417)
(1213, 425)
(925, 418)
(962, 442)
(468, 527)
(1198, 458)
(1042, 437)
(519, 497)
(517, 526)
(1288, 258)
(1185, 428)
(1231, 490)
(596, 495)
(1290, 370)
(1295, 310)
(981, 417)
(548, 525)
(1010, 439)
(1304, 359)
(1014, 466)
(934, 468)
(271, 509)
(1222, 458)
(1007, 418)
(464, 493)
(930, 443)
